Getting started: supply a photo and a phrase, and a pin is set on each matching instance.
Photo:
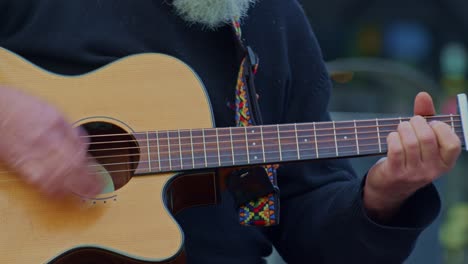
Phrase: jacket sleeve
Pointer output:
(322, 217)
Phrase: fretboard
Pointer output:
(179, 150)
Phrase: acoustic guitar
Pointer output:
(151, 130)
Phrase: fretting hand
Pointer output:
(418, 153)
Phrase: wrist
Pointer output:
(379, 206)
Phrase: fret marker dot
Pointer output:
(345, 137)
(305, 140)
(254, 144)
(255, 157)
(253, 131)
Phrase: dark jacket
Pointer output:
(322, 217)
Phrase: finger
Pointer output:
(85, 182)
(423, 104)
(76, 137)
(410, 145)
(426, 138)
(59, 158)
(395, 153)
(81, 184)
(64, 162)
(54, 181)
(41, 173)
(53, 187)
(80, 137)
(35, 173)
(29, 169)
(449, 142)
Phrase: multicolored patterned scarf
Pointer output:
(264, 211)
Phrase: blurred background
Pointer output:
(394, 50)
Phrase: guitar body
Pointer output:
(121, 106)
(133, 223)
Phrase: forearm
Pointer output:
(330, 225)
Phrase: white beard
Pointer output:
(212, 13)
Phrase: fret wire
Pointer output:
(270, 152)
(270, 143)
(247, 145)
(193, 152)
(336, 142)
(453, 125)
(274, 151)
(180, 149)
(204, 147)
(232, 146)
(297, 141)
(217, 143)
(378, 134)
(357, 140)
(169, 146)
(169, 150)
(165, 168)
(315, 140)
(458, 132)
(254, 143)
(390, 125)
(263, 144)
(371, 151)
(159, 155)
(384, 119)
(366, 138)
(361, 133)
(149, 155)
(369, 145)
(289, 137)
(279, 143)
(267, 152)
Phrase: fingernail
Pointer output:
(434, 122)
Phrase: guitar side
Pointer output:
(145, 92)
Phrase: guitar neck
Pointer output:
(179, 150)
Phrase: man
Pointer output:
(328, 214)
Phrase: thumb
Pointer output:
(423, 105)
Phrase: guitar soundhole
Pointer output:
(115, 151)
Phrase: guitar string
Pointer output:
(337, 130)
(144, 134)
(166, 169)
(180, 155)
(398, 120)
(144, 148)
(202, 164)
(332, 150)
(241, 148)
(451, 121)
(242, 141)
